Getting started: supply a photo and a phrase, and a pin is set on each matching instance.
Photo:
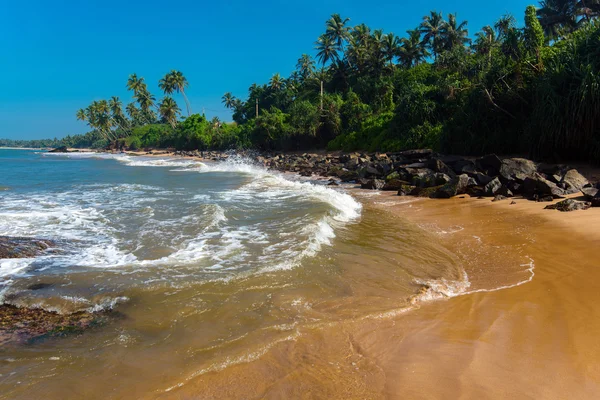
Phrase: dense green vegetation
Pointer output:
(533, 89)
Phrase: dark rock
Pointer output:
(572, 181)
(475, 191)
(424, 191)
(504, 191)
(539, 187)
(372, 184)
(405, 190)
(513, 202)
(416, 165)
(368, 171)
(517, 169)
(463, 166)
(592, 195)
(348, 176)
(569, 205)
(438, 165)
(480, 178)
(490, 164)
(394, 184)
(499, 197)
(492, 187)
(333, 183)
(418, 153)
(61, 149)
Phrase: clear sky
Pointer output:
(58, 56)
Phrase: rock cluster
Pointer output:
(424, 173)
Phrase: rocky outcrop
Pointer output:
(569, 205)
(592, 194)
(61, 149)
(21, 247)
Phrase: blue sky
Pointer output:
(58, 56)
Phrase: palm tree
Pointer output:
(80, 115)
(327, 49)
(559, 15)
(432, 29)
(504, 25)
(116, 107)
(135, 84)
(228, 100)
(174, 81)
(485, 41)
(169, 111)
(337, 30)
(454, 34)
(276, 82)
(391, 47)
(412, 50)
(305, 66)
(132, 111)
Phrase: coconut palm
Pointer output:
(305, 66)
(169, 111)
(174, 81)
(485, 41)
(136, 84)
(276, 82)
(390, 47)
(412, 50)
(228, 100)
(559, 16)
(504, 25)
(454, 33)
(432, 30)
(132, 111)
(80, 115)
(327, 49)
(337, 30)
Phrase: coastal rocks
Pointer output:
(490, 164)
(573, 182)
(394, 184)
(372, 184)
(20, 247)
(569, 205)
(456, 186)
(592, 194)
(536, 187)
(61, 149)
(21, 325)
(517, 169)
(492, 187)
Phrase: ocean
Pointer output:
(203, 266)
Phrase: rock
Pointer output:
(490, 164)
(368, 171)
(569, 205)
(492, 187)
(499, 197)
(425, 177)
(348, 176)
(22, 247)
(573, 181)
(463, 166)
(438, 165)
(393, 175)
(61, 149)
(517, 169)
(372, 184)
(394, 184)
(504, 191)
(592, 195)
(513, 202)
(405, 190)
(481, 178)
(536, 187)
(418, 153)
(424, 192)
(333, 183)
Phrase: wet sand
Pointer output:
(537, 339)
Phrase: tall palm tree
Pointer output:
(135, 84)
(305, 66)
(276, 82)
(327, 49)
(228, 100)
(337, 30)
(432, 30)
(174, 81)
(169, 111)
(559, 15)
(504, 24)
(132, 111)
(454, 33)
(390, 47)
(80, 115)
(412, 50)
(485, 41)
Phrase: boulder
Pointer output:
(405, 190)
(372, 184)
(437, 165)
(418, 153)
(592, 194)
(569, 205)
(517, 169)
(492, 187)
(499, 197)
(368, 171)
(536, 187)
(490, 164)
(424, 192)
(394, 184)
(480, 178)
(463, 166)
(572, 181)
(456, 186)
(61, 149)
